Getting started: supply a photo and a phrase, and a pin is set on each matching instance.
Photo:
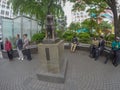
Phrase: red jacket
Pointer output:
(8, 46)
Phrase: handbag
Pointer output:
(11, 52)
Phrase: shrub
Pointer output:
(68, 35)
(94, 35)
(110, 37)
(84, 37)
(38, 37)
(59, 33)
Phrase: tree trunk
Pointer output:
(116, 27)
(112, 4)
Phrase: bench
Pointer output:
(80, 46)
(108, 54)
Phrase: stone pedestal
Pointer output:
(53, 61)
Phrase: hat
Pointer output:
(118, 38)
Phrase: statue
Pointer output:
(49, 27)
(50, 35)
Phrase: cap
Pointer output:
(118, 38)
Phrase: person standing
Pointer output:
(19, 45)
(26, 47)
(74, 43)
(8, 48)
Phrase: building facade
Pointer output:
(5, 9)
(5, 12)
(79, 16)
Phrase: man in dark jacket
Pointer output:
(100, 49)
(19, 45)
(101, 44)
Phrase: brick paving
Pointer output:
(83, 74)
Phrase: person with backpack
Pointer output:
(19, 45)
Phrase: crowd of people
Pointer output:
(97, 47)
(20, 46)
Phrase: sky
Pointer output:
(67, 9)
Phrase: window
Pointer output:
(3, 6)
(7, 7)
(2, 12)
(7, 13)
(4, 2)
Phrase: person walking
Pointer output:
(19, 45)
(74, 43)
(26, 47)
(8, 48)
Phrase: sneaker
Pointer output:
(22, 59)
(18, 58)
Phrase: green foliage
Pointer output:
(38, 37)
(89, 24)
(74, 26)
(68, 35)
(105, 25)
(98, 6)
(94, 35)
(59, 33)
(84, 37)
(110, 37)
(37, 8)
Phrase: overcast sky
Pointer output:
(67, 9)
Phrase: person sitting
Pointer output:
(116, 50)
(93, 47)
(74, 43)
(101, 45)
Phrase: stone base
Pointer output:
(54, 78)
(50, 41)
(53, 62)
(52, 56)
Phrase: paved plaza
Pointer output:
(83, 74)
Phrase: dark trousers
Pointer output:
(116, 57)
(28, 54)
(93, 51)
(10, 55)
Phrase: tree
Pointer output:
(37, 8)
(101, 5)
(105, 26)
(89, 24)
(74, 26)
